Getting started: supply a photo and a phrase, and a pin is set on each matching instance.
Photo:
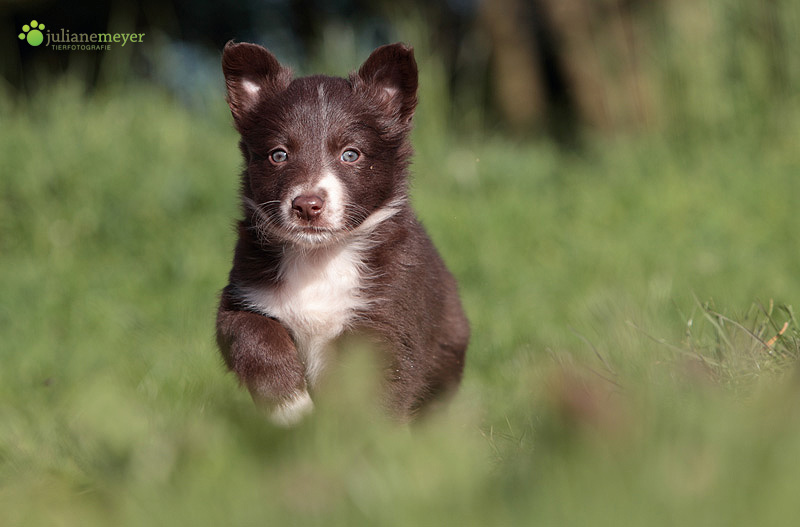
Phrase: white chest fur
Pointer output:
(315, 298)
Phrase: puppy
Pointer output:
(328, 244)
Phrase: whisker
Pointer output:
(263, 223)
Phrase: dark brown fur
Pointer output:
(412, 304)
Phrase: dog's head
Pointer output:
(325, 157)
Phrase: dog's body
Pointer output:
(329, 243)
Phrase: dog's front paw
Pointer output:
(292, 410)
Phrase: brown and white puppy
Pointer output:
(329, 243)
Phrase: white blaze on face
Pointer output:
(331, 187)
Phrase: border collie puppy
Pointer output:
(328, 244)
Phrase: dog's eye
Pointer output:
(279, 156)
(350, 156)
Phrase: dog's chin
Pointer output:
(313, 237)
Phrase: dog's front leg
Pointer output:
(261, 353)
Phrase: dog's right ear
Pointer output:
(251, 74)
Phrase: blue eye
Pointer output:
(279, 156)
(350, 156)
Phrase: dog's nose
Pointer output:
(308, 207)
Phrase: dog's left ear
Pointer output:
(390, 76)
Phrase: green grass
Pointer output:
(621, 301)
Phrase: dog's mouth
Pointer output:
(270, 225)
(313, 235)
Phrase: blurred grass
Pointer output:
(622, 298)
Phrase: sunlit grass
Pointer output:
(629, 362)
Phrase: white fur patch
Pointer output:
(291, 411)
(379, 216)
(316, 297)
(391, 91)
(250, 87)
(318, 292)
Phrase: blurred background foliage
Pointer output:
(541, 68)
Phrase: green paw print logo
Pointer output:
(32, 33)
